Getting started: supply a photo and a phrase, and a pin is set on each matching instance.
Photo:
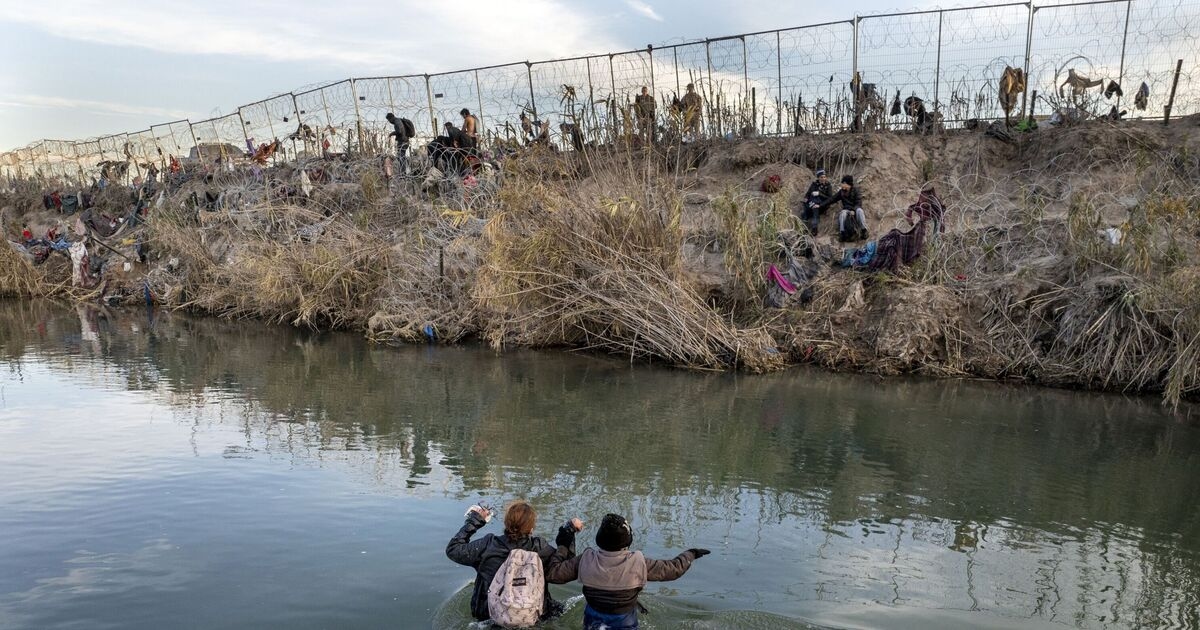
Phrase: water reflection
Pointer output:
(840, 500)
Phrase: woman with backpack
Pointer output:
(614, 576)
(489, 554)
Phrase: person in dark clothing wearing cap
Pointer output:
(402, 138)
(614, 576)
(818, 193)
(488, 553)
(852, 221)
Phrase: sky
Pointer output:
(83, 68)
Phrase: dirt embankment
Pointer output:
(1070, 256)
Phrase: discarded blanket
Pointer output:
(898, 248)
(774, 275)
(81, 275)
(795, 278)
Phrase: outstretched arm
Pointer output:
(461, 549)
(673, 569)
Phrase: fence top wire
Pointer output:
(1169, 5)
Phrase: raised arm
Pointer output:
(461, 549)
(563, 565)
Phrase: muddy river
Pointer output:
(164, 471)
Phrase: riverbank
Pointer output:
(1070, 256)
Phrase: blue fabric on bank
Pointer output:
(61, 245)
(859, 257)
(593, 620)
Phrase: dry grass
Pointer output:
(597, 266)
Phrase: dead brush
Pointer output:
(333, 281)
(18, 277)
(598, 266)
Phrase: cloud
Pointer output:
(645, 10)
(38, 101)
(396, 37)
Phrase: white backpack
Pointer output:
(518, 591)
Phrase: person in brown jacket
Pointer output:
(613, 576)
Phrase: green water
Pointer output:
(170, 472)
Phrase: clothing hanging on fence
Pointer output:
(1142, 97)
(1113, 89)
(896, 104)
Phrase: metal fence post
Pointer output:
(328, 116)
(529, 77)
(937, 73)
(745, 67)
(778, 84)
(1124, 39)
(429, 98)
(855, 82)
(675, 54)
(195, 143)
(650, 52)
(854, 53)
(358, 122)
(479, 99)
(1028, 54)
(245, 136)
(708, 61)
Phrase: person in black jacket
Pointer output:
(402, 138)
(852, 221)
(818, 193)
(488, 553)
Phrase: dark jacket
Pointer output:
(851, 199)
(400, 133)
(488, 553)
(824, 192)
(612, 580)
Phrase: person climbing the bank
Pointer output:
(614, 576)
(570, 131)
(470, 129)
(852, 221)
(404, 131)
(818, 193)
(645, 106)
(490, 557)
(928, 207)
(535, 131)
(692, 105)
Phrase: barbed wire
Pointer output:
(778, 82)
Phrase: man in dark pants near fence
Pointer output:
(402, 137)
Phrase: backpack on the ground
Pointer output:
(853, 229)
(518, 591)
(410, 131)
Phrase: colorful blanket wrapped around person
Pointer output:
(894, 249)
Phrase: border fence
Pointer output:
(778, 82)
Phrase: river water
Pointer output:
(163, 471)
